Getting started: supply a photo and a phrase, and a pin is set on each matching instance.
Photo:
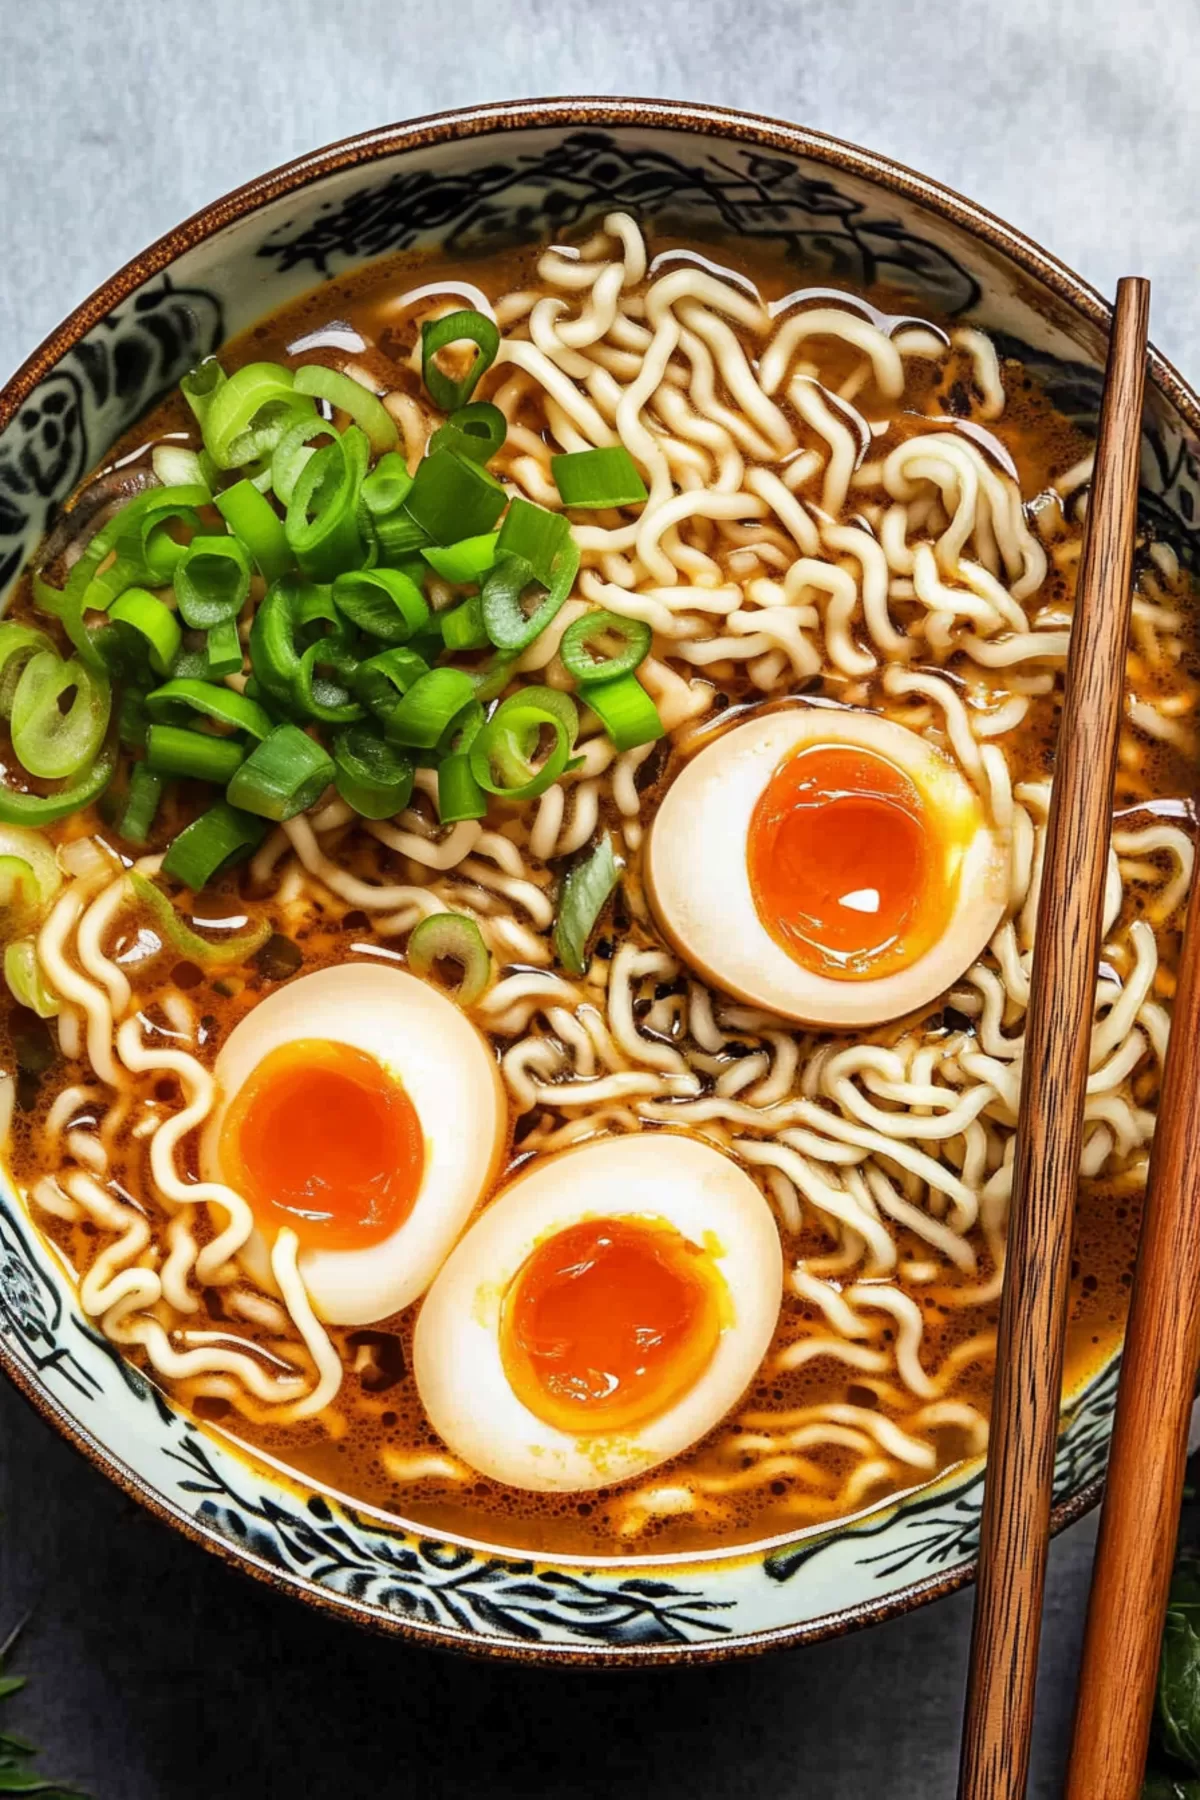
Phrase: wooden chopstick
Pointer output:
(1134, 1551)
(1033, 1306)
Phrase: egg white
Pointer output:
(450, 1075)
(457, 1358)
(698, 881)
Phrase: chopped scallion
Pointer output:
(598, 478)
(212, 843)
(282, 776)
(463, 327)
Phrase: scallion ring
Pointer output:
(141, 803)
(257, 526)
(598, 478)
(350, 396)
(60, 713)
(448, 937)
(370, 774)
(476, 431)
(503, 757)
(429, 709)
(18, 643)
(153, 627)
(322, 519)
(212, 581)
(463, 327)
(214, 842)
(626, 711)
(248, 413)
(175, 699)
(506, 590)
(387, 486)
(385, 603)
(174, 750)
(46, 809)
(282, 776)
(453, 498)
(602, 645)
(585, 893)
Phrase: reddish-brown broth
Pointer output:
(381, 1406)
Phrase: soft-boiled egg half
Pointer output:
(828, 865)
(604, 1312)
(360, 1108)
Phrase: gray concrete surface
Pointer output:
(158, 1675)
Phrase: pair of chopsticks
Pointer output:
(1145, 1477)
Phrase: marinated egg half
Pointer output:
(603, 1313)
(359, 1107)
(828, 865)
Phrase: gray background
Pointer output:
(160, 1675)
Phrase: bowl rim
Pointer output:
(448, 127)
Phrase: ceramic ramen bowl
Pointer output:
(462, 182)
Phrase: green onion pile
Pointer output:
(259, 622)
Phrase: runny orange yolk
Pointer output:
(609, 1322)
(845, 863)
(322, 1138)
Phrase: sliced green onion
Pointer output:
(551, 700)
(131, 718)
(382, 680)
(154, 625)
(452, 498)
(211, 844)
(322, 519)
(255, 523)
(370, 774)
(398, 539)
(585, 647)
(208, 952)
(50, 742)
(386, 487)
(476, 431)
(141, 805)
(350, 396)
(464, 629)
(178, 466)
(18, 892)
(200, 385)
(247, 414)
(189, 665)
(429, 708)
(459, 795)
(26, 983)
(32, 868)
(212, 581)
(536, 536)
(491, 677)
(502, 758)
(295, 450)
(18, 644)
(457, 328)
(85, 590)
(585, 893)
(282, 776)
(223, 650)
(448, 937)
(626, 711)
(176, 750)
(505, 591)
(46, 809)
(385, 603)
(175, 699)
(598, 478)
(465, 561)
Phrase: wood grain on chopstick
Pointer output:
(1029, 1350)
(1136, 1544)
